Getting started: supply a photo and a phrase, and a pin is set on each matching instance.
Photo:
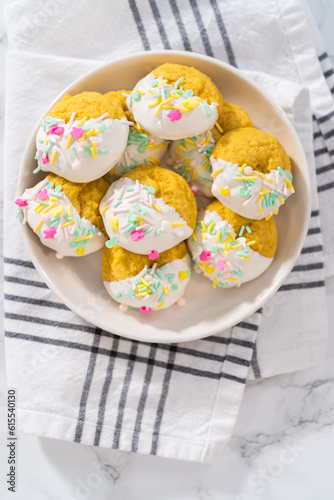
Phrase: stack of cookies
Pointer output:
(125, 169)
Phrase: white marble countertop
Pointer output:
(282, 447)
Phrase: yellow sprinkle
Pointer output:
(183, 275)
(69, 140)
(175, 96)
(153, 160)
(210, 226)
(225, 191)
(57, 211)
(260, 210)
(234, 247)
(104, 209)
(159, 108)
(268, 217)
(206, 164)
(68, 210)
(202, 141)
(245, 178)
(231, 279)
(92, 152)
(82, 238)
(152, 92)
(281, 200)
(209, 138)
(155, 103)
(139, 128)
(39, 207)
(68, 223)
(161, 304)
(195, 237)
(184, 259)
(203, 225)
(188, 169)
(53, 157)
(38, 226)
(260, 174)
(177, 224)
(156, 207)
(209, 269)
(275, 212)
(183, 148)
(270, 180)
(139, 91)
(215, 283)
(49, 207)
(155, 146)
(144, 282)
(288, 183)
(46, 141)
(216, 172)
(80, 122)
(190, 142)
(166, 290)
(231, 235)
(204, 236)
(218, 127)
(113, 222)
(218, 236)
(194, 174)
(141, 294)
(80, 251)
(241, 169)
(94, 147)
(245, 258)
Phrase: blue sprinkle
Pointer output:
(177, 83)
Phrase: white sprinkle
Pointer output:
(102, 117)
(70, 123)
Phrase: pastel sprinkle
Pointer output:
(225, 191)
(145, 310)
(205, 255)
(175, 115)
(137, 235)
(20, 202)
(183, 275)
(221, 264)
(153, 255)
(50, 233)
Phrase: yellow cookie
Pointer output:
(143, 283)
(251, 173)
(231, 117)
(154, 207)
(230, 249)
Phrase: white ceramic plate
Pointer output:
(78, 282)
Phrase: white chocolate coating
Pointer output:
(167, 286)
(142, 148)
(80, 158)
(59, 232)
(256, 198)
(140, 222)
(194, 117)
(225, 266)
(191, 159)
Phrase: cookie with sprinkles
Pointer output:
(175, 101)
(137, 282)
(251, 173)
(142, 147)
(190, 157)
(230, 249)
(149, 210)
(65, 215)
(82, 137)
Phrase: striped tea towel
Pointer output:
(78, 383)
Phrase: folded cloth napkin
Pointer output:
(78, 383)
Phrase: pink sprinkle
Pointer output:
(50, 233)
(175, 115)
(77, 132)
(221, 264)
(55, 130)
(194, 190)
(145, 310)
(205, 255)
(20, 202)
(43, 195)
(153, 255)
(137, 235)
(44, 160)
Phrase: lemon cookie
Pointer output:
(82, 137)
(142, 147)
(136, 281)
(251, 173)
(190, 157)
(149, 210)
(175, 101)
(230, 249)
(65, 215)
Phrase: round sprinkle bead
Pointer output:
(248, 170)
(123, 307)
(59, 256)
(183, 275)
(181, 302)
(225, 191)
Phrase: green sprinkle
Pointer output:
(213, 249)
(37, 169)
(209, 181)
(102, 151)
(189, 93)
(241, 232)
(93, 229)
(130, 189)
(158, 232)
(72, 244)
(49, 185)
(148, 230)
(174, 286)
(136, 96)
(46, 203)
(177, 83)
(207, 108)
(87, 150)
(19, 212)
(164, 267)
(281, 171)
(118, 295)
(151, 189)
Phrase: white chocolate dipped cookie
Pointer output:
(142, 147)
(190, 157)
(82, 137)
(251, 173)
(65, 215)
(175, 101)
(230, 249)
(148, 211)
(137, 282)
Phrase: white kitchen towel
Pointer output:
(79, 383)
